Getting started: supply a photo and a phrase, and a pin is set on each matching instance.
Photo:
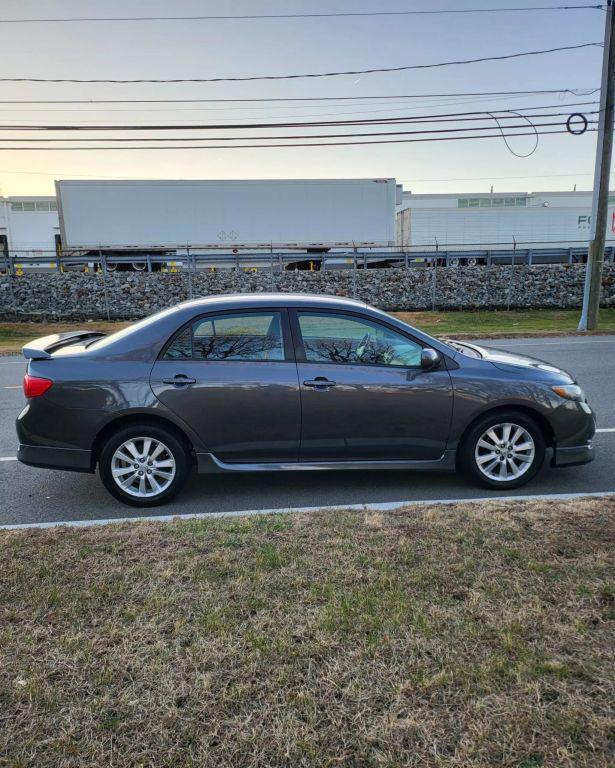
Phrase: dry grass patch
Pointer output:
(479, 635)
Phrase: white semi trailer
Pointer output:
(304, 216)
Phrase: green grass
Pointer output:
(501, 322)
(14, 335)
(467, 637)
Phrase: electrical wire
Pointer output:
(505, 140)
(333, 110)
(572, 91)
(366, 113)
(254, 17)
(64, 174)
(251, 78)
(295, 136)
(279, 146)
(424, 181)
(440, 117)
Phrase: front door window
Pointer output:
(333, 338)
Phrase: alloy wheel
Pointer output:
(504, 452)
(143, 467)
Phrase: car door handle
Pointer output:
(319, 383)
(179, 380)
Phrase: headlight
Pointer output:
(570, 392)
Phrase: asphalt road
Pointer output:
(29, 495)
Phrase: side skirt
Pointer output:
(207, 463)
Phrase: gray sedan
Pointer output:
(254, 383)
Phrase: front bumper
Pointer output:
(69, 459)
(574, 440)
(571, 456)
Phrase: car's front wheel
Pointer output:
(504, 450)
(144, 465)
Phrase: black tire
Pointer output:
(177, 452)
(467, 461)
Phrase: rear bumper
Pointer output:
(571, 456)
(70, 459)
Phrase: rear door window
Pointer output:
(235, 336)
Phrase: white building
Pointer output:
(29, 226)
(494, 221)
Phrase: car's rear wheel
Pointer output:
(504, 450)
(144, 465)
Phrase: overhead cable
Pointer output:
(572, 91)
(277, 145)
(293, 136)
(251, 78)
(440, 117)
(265, 16)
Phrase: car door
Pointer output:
(232, 376)
(364, 395)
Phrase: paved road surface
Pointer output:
(31, 495)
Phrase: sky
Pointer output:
(167, 49)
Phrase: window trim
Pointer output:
(284, 322)
(300, 348)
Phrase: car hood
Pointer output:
(515, 363)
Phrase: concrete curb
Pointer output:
(387, 506)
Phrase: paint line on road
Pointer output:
(386, 506)
(519, 343)
(607, 429)
(12, 386)
(8, 458)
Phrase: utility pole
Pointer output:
(600, 201)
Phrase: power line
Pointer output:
(265, 16)
(445, 116)
(28, 123)
(334, 111)
(295, 136)
(571, 91)
(370, 106)
(251, 78)
(58, 174)
(461, 178)
(279, 146)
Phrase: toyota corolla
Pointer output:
(254, 383)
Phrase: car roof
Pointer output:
(145, 338)
(273, 299)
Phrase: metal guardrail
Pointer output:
(194, 258)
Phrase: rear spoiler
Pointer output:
(42, 349)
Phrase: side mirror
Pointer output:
(430, 359)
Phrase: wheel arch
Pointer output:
(541, 421)
(125, 420)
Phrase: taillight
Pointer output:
(34, 386)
